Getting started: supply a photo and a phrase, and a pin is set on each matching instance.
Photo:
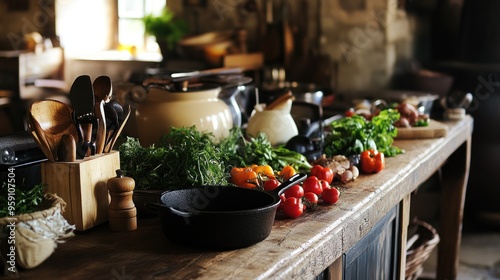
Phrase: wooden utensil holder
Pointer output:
(82, 185)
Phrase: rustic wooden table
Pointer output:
(297, 248)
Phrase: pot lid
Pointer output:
(193, 87)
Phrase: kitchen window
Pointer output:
(97, 27)
(130, 25)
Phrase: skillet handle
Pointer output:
(157, 206)
(295, 179)
(152, 205)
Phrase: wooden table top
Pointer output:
(297, 248)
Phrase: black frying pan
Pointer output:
(220, 217)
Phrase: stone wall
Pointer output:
(366, 38)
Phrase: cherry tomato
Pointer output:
(295, 191)
(312, 184)
(330, 195)
(293, 207)
(322, 173)
(310, 200)
(271, 184)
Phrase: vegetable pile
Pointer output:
(313, 192)
(316, 189)
(187, 158)
(352, 135)
(410, 117)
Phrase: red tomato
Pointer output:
(330, 195)
(312, 184)
(295, 191)
(293, 207)
(271, 184)
(310, 200)
(322, 173)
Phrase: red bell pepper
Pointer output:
(372, 161)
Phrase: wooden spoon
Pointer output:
(101, 132)
(54, 119)
(103, 88)
(66, 151)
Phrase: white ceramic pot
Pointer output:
(277, 124)
(199, 106)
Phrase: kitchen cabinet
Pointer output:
(322, 242)
(19, 73)
(19, 70)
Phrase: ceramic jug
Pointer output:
(277, 123)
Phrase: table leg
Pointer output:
(403, 233)
(455, 175)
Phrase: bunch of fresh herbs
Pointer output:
(184, 158)
(352, 135)
(27, 199)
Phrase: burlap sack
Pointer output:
(37, 234)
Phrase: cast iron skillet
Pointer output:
(220, 217)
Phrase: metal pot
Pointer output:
(304, 92)
(220, 217)
(232, 86)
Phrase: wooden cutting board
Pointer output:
(435, 129)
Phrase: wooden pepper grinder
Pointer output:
(121, 210)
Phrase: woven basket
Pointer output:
(35, 235)
(420, 251)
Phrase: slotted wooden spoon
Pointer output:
(54, 120)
